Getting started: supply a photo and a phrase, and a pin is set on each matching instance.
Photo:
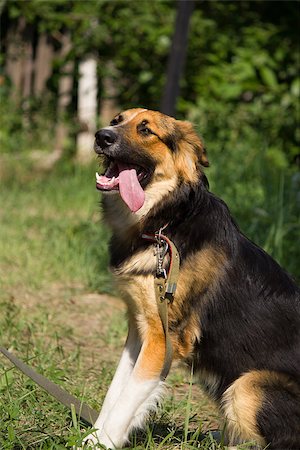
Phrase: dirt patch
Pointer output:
(82, 319)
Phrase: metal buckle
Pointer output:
(161, 249)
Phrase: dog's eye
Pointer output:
(116, 120)
(146, 131)
(143, 129)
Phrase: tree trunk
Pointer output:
(64, 97)
(109, 107)
(27, 63)
(43, 64)
(65, 86)
(19, 62)
(177, 56)
(87, 109)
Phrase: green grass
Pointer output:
(265, 202)
(50, 230)
(30, 418)
(53, 264)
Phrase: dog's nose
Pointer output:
(105, 138)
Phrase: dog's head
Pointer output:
(147, 154)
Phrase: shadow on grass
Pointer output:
(164, 434)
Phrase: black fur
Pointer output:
(279, 417)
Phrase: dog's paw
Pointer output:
(97, 441)
(91, 442)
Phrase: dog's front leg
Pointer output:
(142, 383)
(126, 364)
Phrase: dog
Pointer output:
(235, 316)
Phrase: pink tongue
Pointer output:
(130, 189)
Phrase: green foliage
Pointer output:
(21, 131)
(135, 36)
(240, 88)
(140, 50)
(56, 234)
(246, 61)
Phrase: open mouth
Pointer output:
(128, 179)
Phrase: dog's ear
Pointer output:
(189, 135)
(203, 158)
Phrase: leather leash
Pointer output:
(165, 284)
(82, 409)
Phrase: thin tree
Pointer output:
(177, 56)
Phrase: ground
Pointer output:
(89, 331)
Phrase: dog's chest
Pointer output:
(135, 280)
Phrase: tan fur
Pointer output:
(192, 141)
(203, 268)
(141, 260)
(241, 402)
(183, 162)
(151, 358)
(155, 193)
(138, 293)
(183, 348)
